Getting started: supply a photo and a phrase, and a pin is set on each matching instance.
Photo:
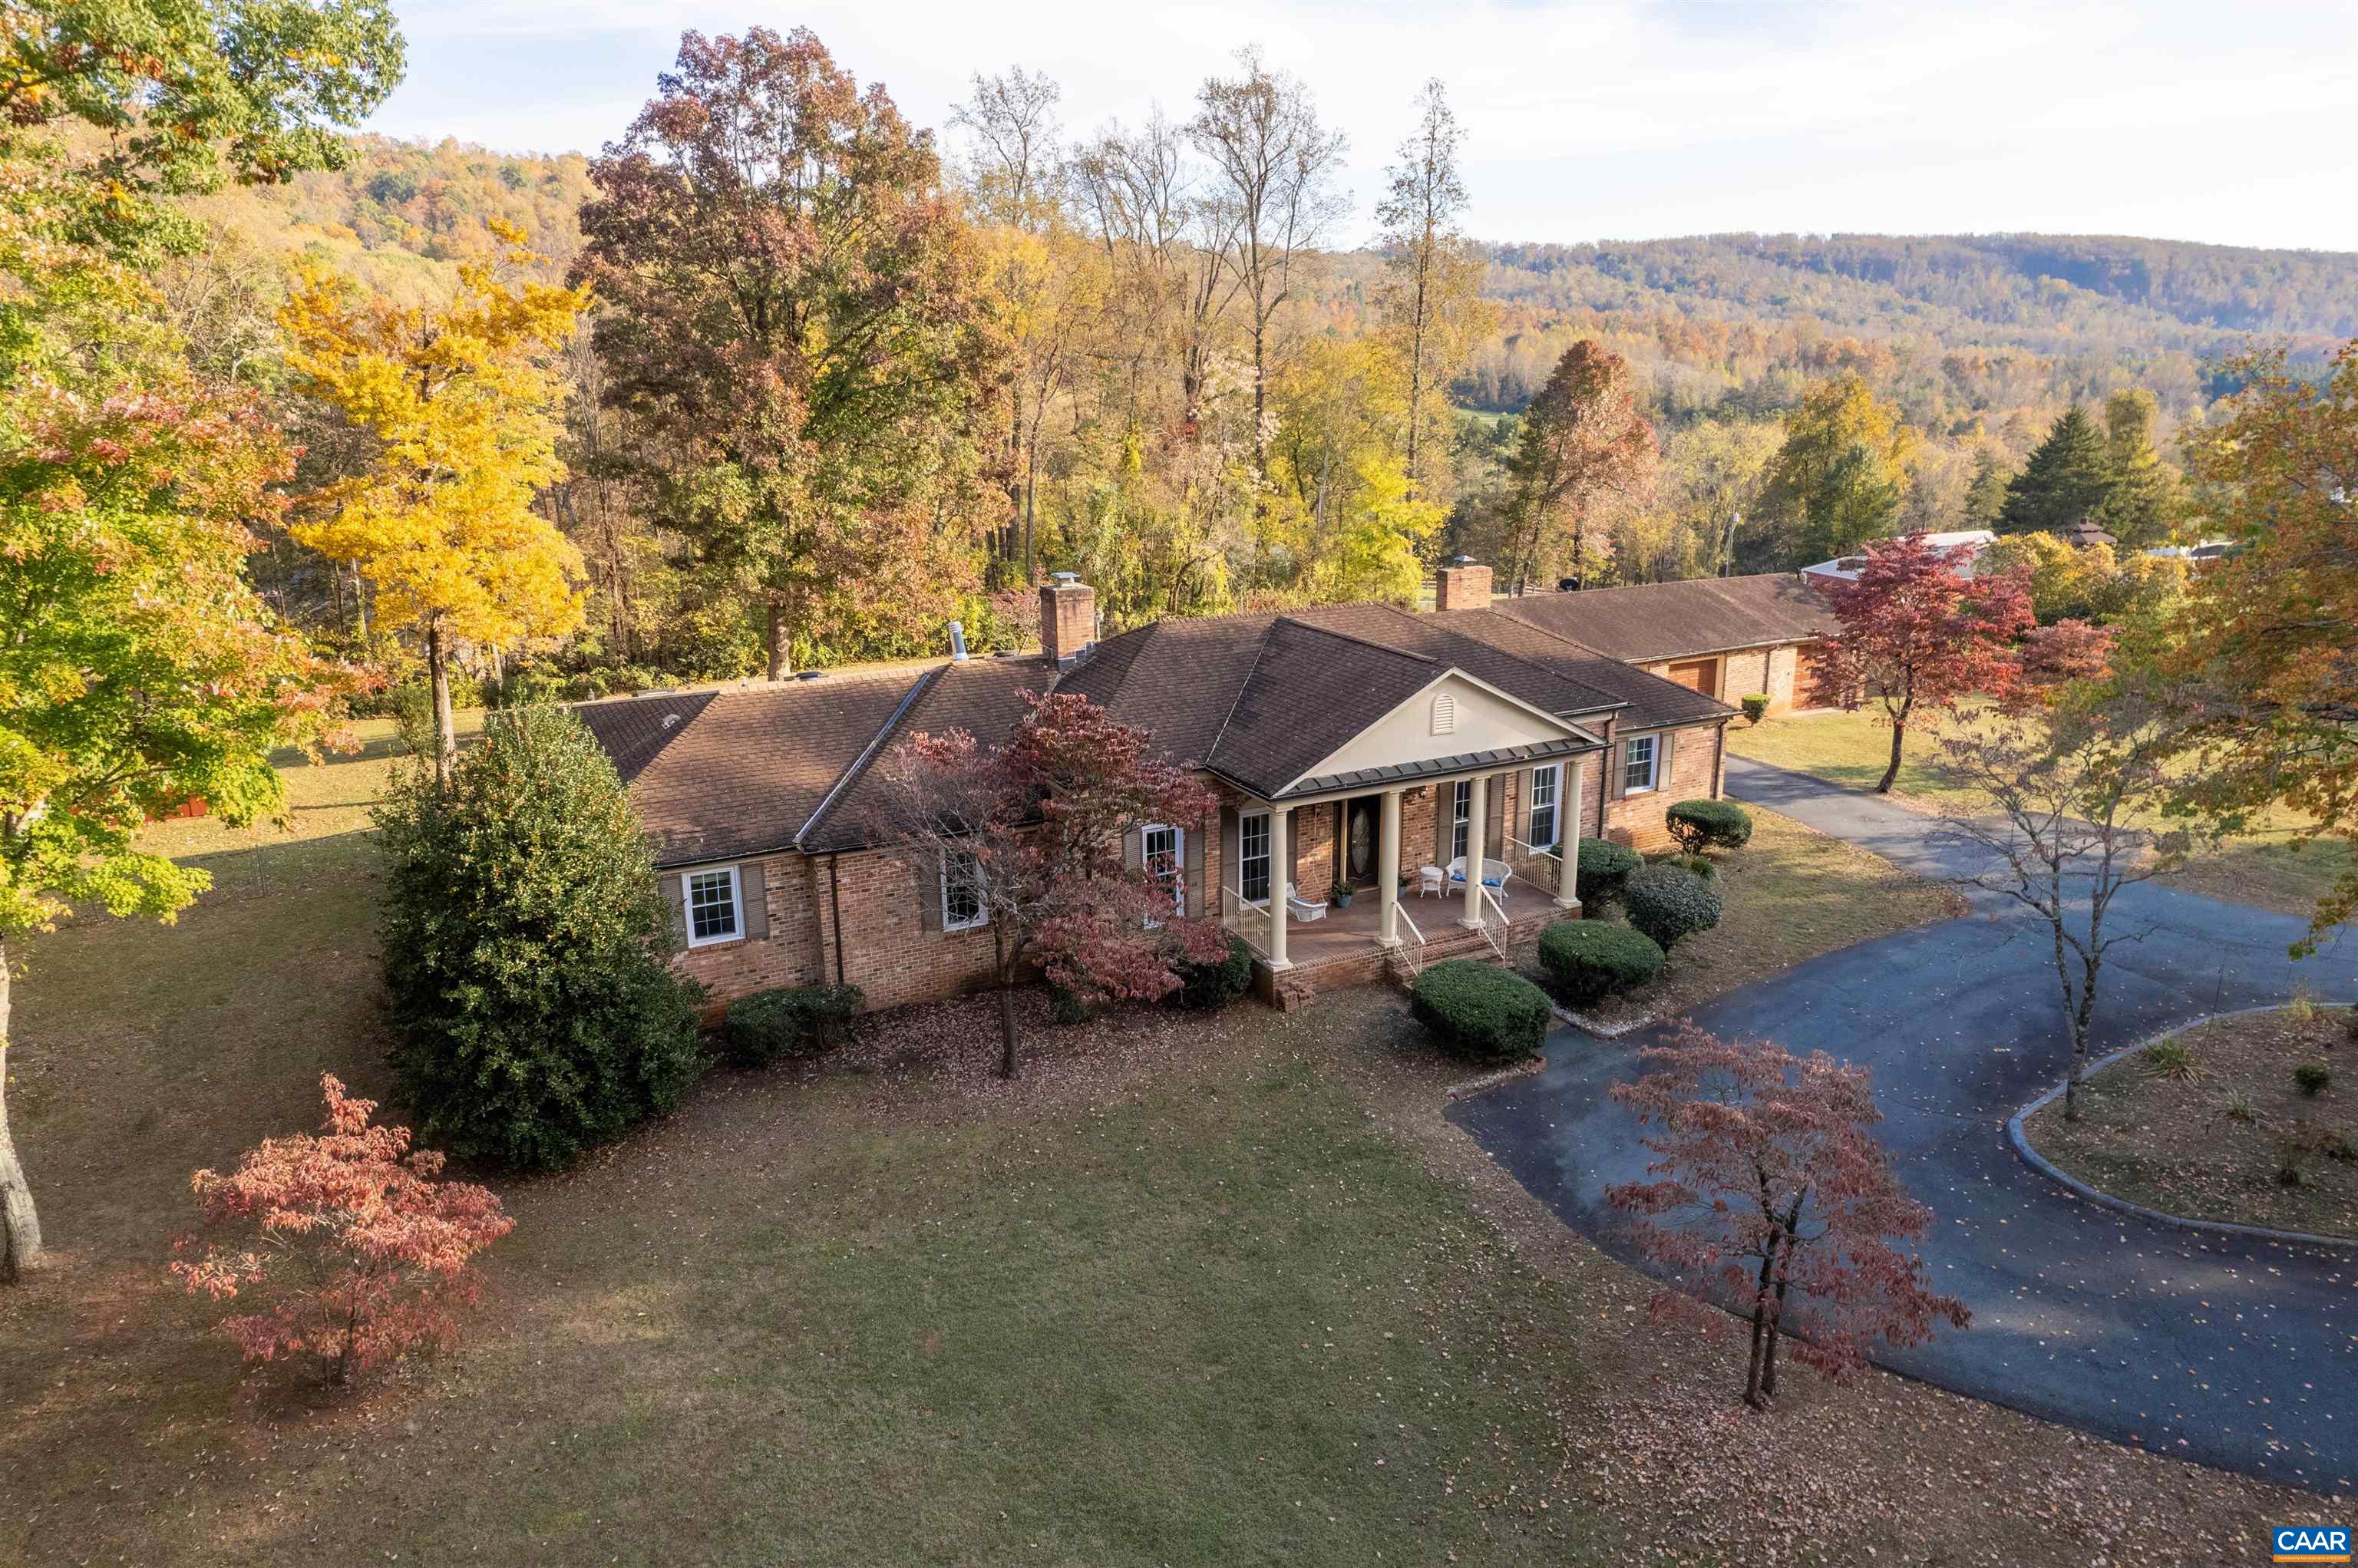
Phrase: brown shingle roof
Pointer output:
(981, 697)
(1310, 690)
(739, 775)
(634, 730)
(1656, 621)
(1259, 697)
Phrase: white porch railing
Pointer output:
(1238, 913)
(1496, 906)
(1543, 868)
(1413, 957)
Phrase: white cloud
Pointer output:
(1620, 120)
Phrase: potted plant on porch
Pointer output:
(1341, 893)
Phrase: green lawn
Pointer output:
(1788, 895)
(1193, 1290)
(2264, 868)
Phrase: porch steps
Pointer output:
(1293, 989)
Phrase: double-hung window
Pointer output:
(1165, 854)
(963, 908)
(1461, 816)
(716, 911)
(1638, 757)
(1545, 784)
(1252, 857)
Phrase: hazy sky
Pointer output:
(2229, 123)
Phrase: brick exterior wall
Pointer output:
(889, 954)
(1756, 670)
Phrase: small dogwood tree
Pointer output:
(1918, 635)
(357, 1253)
(1032, 829)
(1771, 1195)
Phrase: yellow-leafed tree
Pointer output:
(461, 405)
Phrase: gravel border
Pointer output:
(2220, 1227)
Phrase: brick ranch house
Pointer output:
(1725, 637)
(1359, 744)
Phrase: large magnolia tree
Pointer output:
(794, 313)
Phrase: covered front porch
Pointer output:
(1407, 856)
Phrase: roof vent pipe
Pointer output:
(958, 641)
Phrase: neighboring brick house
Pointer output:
(1359, 745)
(1725, 637)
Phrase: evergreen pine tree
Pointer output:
(1985, 497)
(2067, 479)
(2143, 508)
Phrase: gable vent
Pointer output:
(1444, 714)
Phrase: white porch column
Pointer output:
(1567, 835)
(1476, 834)
(1387, 871)
(1280, 868)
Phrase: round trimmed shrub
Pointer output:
(1700, 825)
(1604, 867)
(1588, 960)
(528, 951)
(1670, 903)
(2312, 1077)
(794, 1021)
(1480, 1013)
(1755, 706)
(1218, 983)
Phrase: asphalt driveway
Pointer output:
(2238, 1354)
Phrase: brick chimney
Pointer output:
(1462, 584)
(1068, 618)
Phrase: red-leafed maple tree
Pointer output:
(1918, 634)
(1772, 1196)
(358, 1254)
(1037, 834)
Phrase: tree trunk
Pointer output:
(20, 1226)
(446, 729)
(1752, 1392)
(782, 645)
(2083, 1015)
(360, 603)
(1784, 1251)
(1898, 734)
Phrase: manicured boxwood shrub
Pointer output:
(1755, 706)
(1700, 825)
(794, 1021)
(1218, 983)
(2312, 1077)
(1669, 904)
(1588, 960)
(1604, 867)
(1480, 1012)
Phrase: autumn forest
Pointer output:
(1155, 352)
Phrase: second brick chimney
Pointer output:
(1463, 585)
(1068, 618)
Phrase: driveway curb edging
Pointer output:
(2080, 1189)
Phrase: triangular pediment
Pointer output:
(1454, 715)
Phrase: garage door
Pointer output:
(1698, 675)
(1809, 678)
